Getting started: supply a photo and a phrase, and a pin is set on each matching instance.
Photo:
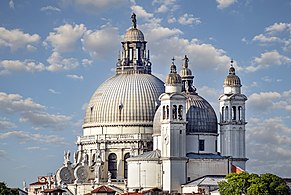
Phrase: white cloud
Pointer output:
(278, 27)
(16, 39)
(267, 101)
(13, 103)
(50, 8)
(28, 137)
(65, 37)
(6, 124)
(75, 77)
(274, 155)
(266, 60)
(86, 62)
(58, 63)
(101, 43)
(141, 12)
(225, 3)
(31, 112)
(263, 38)
(188, 19)
(42, 120)
(16, 66)
(165, 5)
(53, 91)
(11, 4)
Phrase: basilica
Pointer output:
(141, 133)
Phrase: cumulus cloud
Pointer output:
(225, 3)
(268, 143)
(8, 66)
(53, 91)
(13, 103)
(58, 63)
(271, 100)
(6, 124)
(42, 120)
(86, 62)
(165, 5)
(11, 4)
(102, 42)
(278, 27)
(50, 8)
(65, 37)
(28, 137)
(141, 12)
(266, 60)
(16, 39)
(31, 112)
(188, 19)
(276, 33)
(75, 77)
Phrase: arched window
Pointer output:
(226, 113)
(126, 156)
(180, 112)
(112, 165)
(239, 113)
(222, 114)
(164, 112)
(174, 109)
(168, 112)
(233, 113)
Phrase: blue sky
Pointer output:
(54, 54)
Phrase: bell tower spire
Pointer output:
(232, 119)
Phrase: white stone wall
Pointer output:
(144, 175)
(200, 167)
(210, 141)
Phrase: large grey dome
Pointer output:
(124, 99)
(200, 115)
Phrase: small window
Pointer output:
(222, 114)
(180, 112)
(174, 112)
(233, 113)
(164, 112)
(201, 145)
(168, 112)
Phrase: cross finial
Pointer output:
(173, 60)
(231, 62)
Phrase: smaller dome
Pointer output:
(173, 78)
(133, 34)
(232, 80)
(185, 72)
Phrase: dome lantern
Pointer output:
(134, 58)
(173, 81)
(187, 78)
(232, 83)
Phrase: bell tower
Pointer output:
(232, 120)
(173, 133)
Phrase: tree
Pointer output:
(245, 183)
(4, 190)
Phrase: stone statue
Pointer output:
(75, 157)
(133, 20)
(109, 177)
(97, 169)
